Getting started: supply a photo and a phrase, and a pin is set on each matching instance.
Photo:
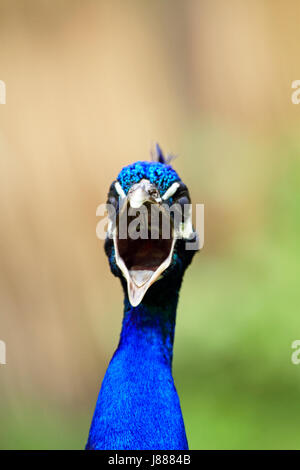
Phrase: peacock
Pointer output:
(138, 407)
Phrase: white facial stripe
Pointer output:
(172, 190)
(120, 190)
(186, 229)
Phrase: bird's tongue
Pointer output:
(140, 277)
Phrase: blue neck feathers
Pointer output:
(150, 329)
(138, 406)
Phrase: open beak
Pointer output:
(142, 260)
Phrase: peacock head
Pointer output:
(150, 239)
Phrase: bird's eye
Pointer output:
(182, 198)
(182, 195)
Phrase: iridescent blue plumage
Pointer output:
(157, 173)
(138, 406)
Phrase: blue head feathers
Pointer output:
(159, 173)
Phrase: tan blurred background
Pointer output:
(90, 85)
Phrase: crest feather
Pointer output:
(158, 156)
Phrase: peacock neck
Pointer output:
(149, 328)
(138, 406)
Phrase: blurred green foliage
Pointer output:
(242, 314)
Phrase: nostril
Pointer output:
(153, 192)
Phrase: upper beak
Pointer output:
(143, 192)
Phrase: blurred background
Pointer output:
(90, 85)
